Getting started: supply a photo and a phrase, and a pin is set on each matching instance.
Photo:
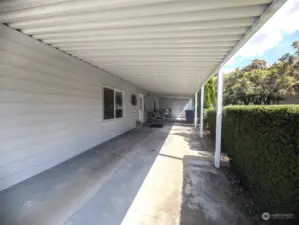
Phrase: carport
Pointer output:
(70, 69)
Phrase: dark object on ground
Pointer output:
(157, 125)
(157, 119)
(189, 115)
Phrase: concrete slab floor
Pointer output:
(146, 176)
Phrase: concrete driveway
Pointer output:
(159, 176)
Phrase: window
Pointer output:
(113, 103)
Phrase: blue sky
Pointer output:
(272, 40)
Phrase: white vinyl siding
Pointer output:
(151, 102)
(176, 105)
(51, 107)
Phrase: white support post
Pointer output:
(195, 110)
(202, 94)
(219, 117)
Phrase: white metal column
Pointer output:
(219, 117)
(195, 110)
(202, 94)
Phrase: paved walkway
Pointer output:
(144, 177)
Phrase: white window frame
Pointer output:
(114, 96)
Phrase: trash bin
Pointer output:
(189, 115)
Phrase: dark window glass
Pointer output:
(108, 103)
(118, 104)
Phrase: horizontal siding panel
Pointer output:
(51, 107)
(21, 96)
(43, 59)
(33, 54)
(15, 147)
(41, 120)
(16, 60)
(42, 138)
(18, 72)
(78, 66)
(74, 64)
(55, 148)
(38, 87)
(37, 152)
(66, 152)
(12, 108)
(32, 129)
(48, 163)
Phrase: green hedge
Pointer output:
(263, 144)
(212, 122)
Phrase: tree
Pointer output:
(209, 95)
(295, 45)
(256, 64)
(258, 83)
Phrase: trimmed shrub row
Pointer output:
(263, 145)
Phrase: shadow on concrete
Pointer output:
(207, 197)
(178, 122)
(95, 187)
(170, 156)
(184, 124)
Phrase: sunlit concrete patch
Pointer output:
(159, 198)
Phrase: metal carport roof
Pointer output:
(168, 47)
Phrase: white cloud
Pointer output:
(285, 21)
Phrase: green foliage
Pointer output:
(210, 95)
(295, 45)
(263, 144)
(259, 84)
(211, 115)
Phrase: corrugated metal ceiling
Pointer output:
(165, 46)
